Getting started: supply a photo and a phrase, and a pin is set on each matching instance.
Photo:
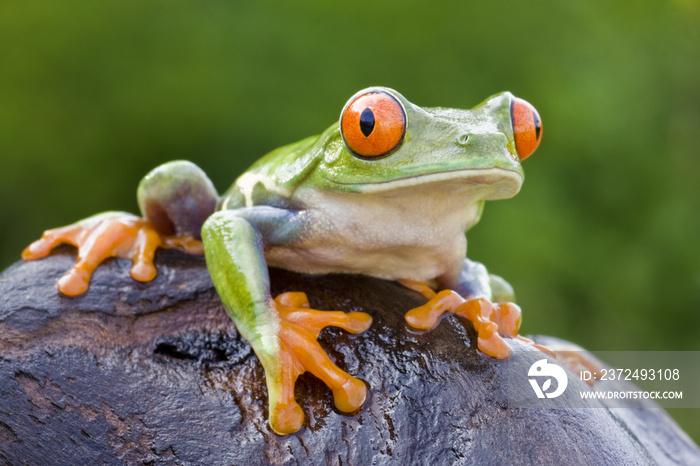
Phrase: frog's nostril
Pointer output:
(462, 139)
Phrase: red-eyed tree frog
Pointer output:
(388, 191)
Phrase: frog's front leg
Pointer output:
(470, 297)
(282, 331)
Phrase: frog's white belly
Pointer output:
(406, 234)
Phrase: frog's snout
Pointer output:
(527, 127)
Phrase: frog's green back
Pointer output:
(272, 179)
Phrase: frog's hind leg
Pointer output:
(177, 197)
(109, 234)
(282, 331)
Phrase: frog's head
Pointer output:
(383, 143)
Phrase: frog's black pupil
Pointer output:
(367, 122)
(538, 125)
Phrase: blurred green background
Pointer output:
(601, 244)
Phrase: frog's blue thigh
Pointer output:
(177, 197)
(475, 282)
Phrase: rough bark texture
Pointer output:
(156, 373)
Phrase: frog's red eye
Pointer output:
(527, 127)
(373, 125)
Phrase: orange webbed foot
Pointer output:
(492, 321)
(112, 234)
(300, 352)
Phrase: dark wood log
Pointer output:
(156, 373)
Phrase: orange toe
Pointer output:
(144, 271)
(286, 418)
(350, 396)
(74, 283)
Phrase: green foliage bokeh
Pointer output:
(600, 245)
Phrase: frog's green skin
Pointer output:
(314, 207)
(399, 217)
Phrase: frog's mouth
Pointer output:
(495, 183)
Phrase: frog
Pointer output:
(388, 191)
